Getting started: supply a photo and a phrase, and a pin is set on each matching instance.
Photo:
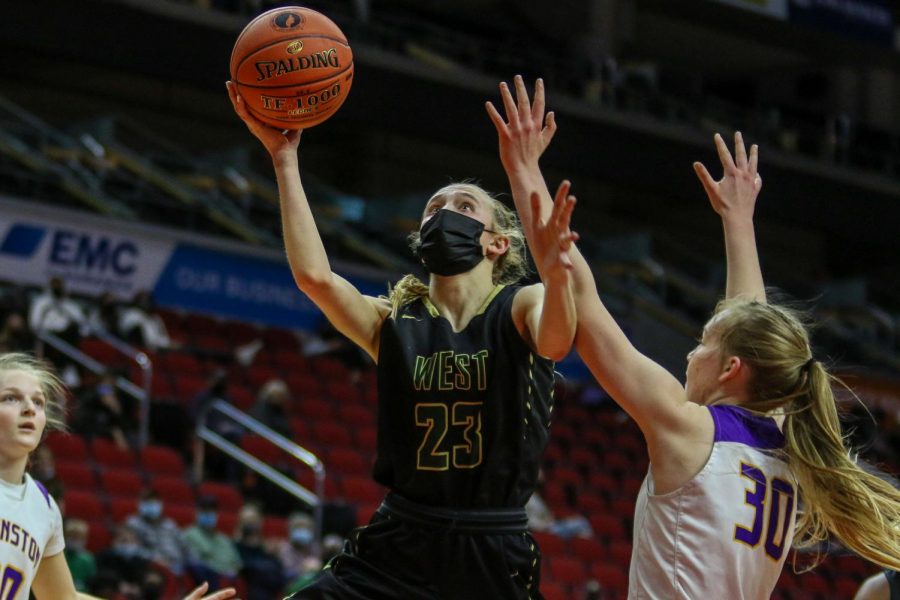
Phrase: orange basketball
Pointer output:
(292, 66)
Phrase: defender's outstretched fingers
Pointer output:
(537, 108)
(709, 184)
(509, 105)
(522, 98)
(496, 117)
(740, 153)
(754, 159)
(724, 154)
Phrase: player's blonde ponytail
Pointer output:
(837, 497)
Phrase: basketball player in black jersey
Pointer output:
(465, 377)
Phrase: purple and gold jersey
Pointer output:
(30, 528)
(725, 533)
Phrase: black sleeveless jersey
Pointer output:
(463, 417)
(893, 583)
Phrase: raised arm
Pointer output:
(734, 198)
(357, 316)
(649, 393)
(550, 316)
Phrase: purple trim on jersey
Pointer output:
(736, 424)
(44, 491)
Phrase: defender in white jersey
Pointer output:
(31, 533)
(755, 426)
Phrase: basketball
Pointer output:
(293, 67)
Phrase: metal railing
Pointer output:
(313, 499)
(141, 394)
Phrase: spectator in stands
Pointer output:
(261, 569)
(158, 536)
(756, 406)
(272, 404)
(15, 335)
(210, 553)
(55, 312)
(103, 316)
(120, 568)
(142, 326)
(80, 560)
(299, 553)
(541, 518)
(331, 547)
(217, 464)
(101, 413)
(433, 448)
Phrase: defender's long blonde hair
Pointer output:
(509, 268)
(838, 497)
(53, 389)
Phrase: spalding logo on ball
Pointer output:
(293, 67)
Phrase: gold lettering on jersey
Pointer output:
(18, 537)
(448, 370)
(423, 372)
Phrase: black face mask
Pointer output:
(450, 243)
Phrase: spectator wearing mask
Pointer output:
(120, 568)
(299, 553)
(141, 325)
(261, 569)
(211, 554)
(158, 536)
(80, 560)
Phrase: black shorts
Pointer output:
(413, 552)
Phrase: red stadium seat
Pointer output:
(263, 449)
(76, 476)
(108, 455)
(84, 505)
(314, 408)
(161, 460)
(99, 536)
(348, 461)
(230, 499)
(120, 508)
(183, 514)
(280, 338)
(566, 570)
(290, 361)
(274, 527)
(612, 578)
(361, 490)
(121, 482)
(303, 386)
(173, 490)
(67, 447)
(607, 526)
(550, 544)
(101, 351)
(327, 367)
(227, 522)
(356, 415)
(620, 553)
(331, 433)
(342, 392)
(188, 386)
(367, 439)
(588, 549)
(555, 591)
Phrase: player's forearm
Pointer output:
(556, 330)
(302, 242)
(744, 277)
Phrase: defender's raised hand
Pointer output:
(552, 238)
(735, 194)
(525, 132)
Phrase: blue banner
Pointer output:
(239, 286)
(867, 20)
